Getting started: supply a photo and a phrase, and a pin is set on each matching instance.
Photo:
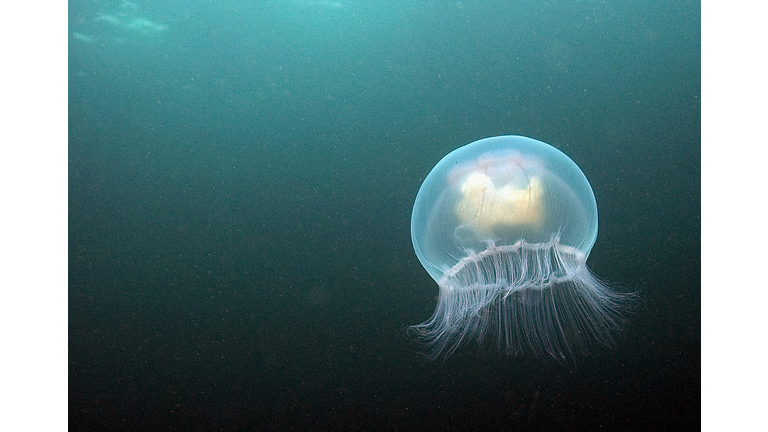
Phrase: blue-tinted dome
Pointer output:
(501, 191)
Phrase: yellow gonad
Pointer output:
(484, 205)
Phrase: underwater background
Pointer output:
(241, 180)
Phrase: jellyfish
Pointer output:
(504, 225)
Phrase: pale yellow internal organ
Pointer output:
(484, 205)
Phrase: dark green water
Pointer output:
(241, 177)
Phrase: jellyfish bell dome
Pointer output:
(501, 190)
(504, 225)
